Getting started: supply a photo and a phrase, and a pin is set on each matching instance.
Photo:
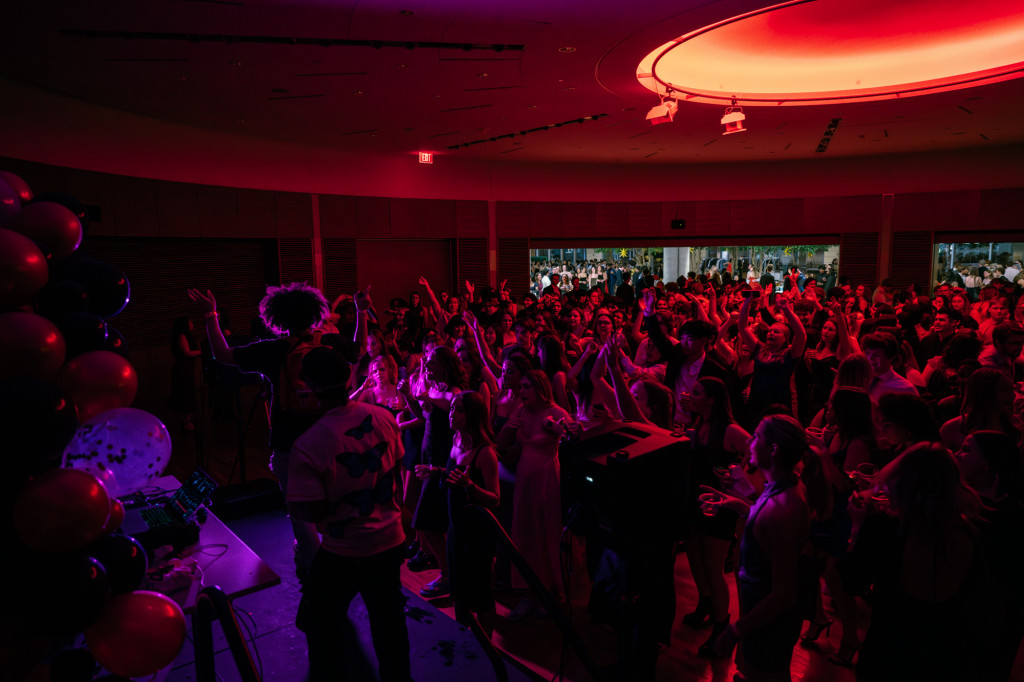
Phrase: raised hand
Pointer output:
(423, 282)
(649, 303)
(362, 299)
(205, 302)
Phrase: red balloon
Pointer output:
(30, 346)
(61, 510)
(23, 269)
(138, 634)
(116, 516)
(98, 381)
(56, 229)
(10, 204)
(18, 185)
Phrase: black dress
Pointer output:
(705, 458)
(432, 508)
(470, 545)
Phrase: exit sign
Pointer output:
(426, 157)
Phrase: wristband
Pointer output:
(211, 314)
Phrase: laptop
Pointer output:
(171, 522)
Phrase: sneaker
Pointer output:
(435, 588)
(412, 549)
(421, 562)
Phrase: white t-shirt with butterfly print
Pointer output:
(351, 457)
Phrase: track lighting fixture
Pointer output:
(733, 119)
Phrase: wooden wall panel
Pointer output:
(645, 217)
(134, 211)
(858, 258)
(294, 214)
(610, 219)
(910, 260)
(512, 218)
(578, 218)
(935, 210)
(514, 265)
(373, 217)
(712, 218)
(340, 272)
(471, 262)
(471, 219)
(177, 210)
(256, 212)
(822, 214)
(337, 216)
(859, 214)
(218, 211)
(430, 218)
(1001, 209)
(295, 260)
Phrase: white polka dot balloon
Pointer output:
(126, 448)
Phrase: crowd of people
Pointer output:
(860, 449)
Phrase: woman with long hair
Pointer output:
(537, 510)
(919, 558)
(555, 365)
(774, 359)
(471, 476)
(644, 400)
(823, 362)
(716, 442)
(848, 442)
(445, 377)
(987, 405)
(481, 381)
(777, 527)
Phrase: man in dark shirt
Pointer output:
(625, 290)
(553, 287)
(687, 360)
(292, 311)
(944, 326)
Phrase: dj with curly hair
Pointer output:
(292, 311)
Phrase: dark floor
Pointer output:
(441, 648)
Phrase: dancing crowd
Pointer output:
(855, 454)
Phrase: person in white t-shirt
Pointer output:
(343, 476)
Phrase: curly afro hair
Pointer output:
(293, 308)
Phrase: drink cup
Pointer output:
(709, 503)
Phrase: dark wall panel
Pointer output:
(910, 260)
(935, 210)
(858, 257)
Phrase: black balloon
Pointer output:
(116, 342)
(106, 285)
(37, 420)
(54, 594)
(124, 558)
(61, 298)
(73, 665)
(82, 333)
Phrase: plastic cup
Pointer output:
(709, 503)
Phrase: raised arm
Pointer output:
(845, 346)
(363, 305)
(747, 336)
(799, 333)
(491, 365)
(207, 305)
(435, 305)
(654, 332)
(623, 396)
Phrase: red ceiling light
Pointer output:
(825, 51)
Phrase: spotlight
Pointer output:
(662, 113)
(733, 119)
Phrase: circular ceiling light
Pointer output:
(823, 51)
